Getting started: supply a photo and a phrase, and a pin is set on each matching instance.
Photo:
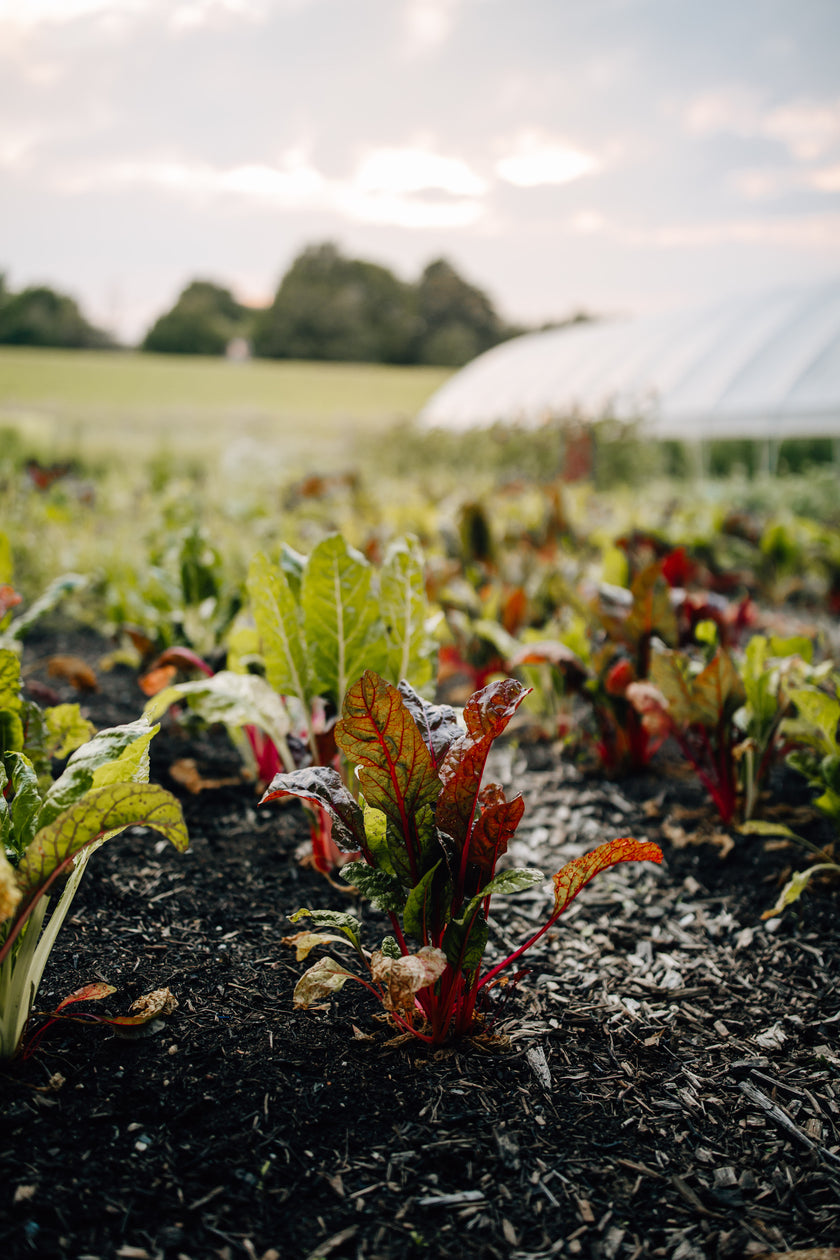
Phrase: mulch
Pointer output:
(664, 1082)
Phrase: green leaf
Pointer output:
(761, 827)
(26, 801)
(514, 880)
(465, 941)
(822, 712)
(402, 598)
(341, 619)
(53, 595)
(99, 815)
(280, 624)
(233, 699)
(119, 754)
(337, 919)
(67, 730)
(418, 915)
(381, 889)
(796, 886)
(390, 948)
(9, 680)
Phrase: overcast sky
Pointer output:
(618, 155)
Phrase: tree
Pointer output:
(331, 307)
(204, 320)
(457, 321)
(39, 316)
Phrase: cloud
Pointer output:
(535, 159)
(807, 128)
(408, 188)
(429, 23)
(415, 170)
(182, 16)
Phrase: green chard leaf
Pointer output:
(465, 941)
(402, 598)
(418, 915)
(230, 698)
(323, 786)
(341, 618)
(66, 730)
(99, 815)
(348, 924)
(382, 889)
(119, 754)
(280, 625)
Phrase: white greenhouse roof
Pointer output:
(759, 367)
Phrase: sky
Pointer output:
(618, 156)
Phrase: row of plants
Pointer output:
(313, 647)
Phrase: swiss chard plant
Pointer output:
(770, 671)
(430, 835)
(49, 831)
(696, 706)
(319, 619)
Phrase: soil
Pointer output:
(664, 1082)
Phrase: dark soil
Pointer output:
(665, 1081)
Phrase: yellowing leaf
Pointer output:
(326, 977)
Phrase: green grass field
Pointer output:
(93, 404)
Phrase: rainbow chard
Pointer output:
(48, 837)
(430, 834)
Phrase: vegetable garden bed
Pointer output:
(665, 1081)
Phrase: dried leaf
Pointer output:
(403, 977)
(73, 670)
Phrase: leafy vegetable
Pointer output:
(49, 835)
(430, 837)
(696, 707)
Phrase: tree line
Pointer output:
(327, 306)
(331, 307)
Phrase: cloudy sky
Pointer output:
(618, 155)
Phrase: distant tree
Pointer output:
(332, 307)
(40, 316)
(204, 320)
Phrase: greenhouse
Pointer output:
(765, 367)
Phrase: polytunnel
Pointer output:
(765, 367)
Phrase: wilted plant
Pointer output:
(430, 837)
(49, 833)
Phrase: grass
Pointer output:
(94, 404)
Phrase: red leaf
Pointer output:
(487, 713)
(576, 874)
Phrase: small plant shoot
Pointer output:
(430, 834)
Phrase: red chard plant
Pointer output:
(430, 835)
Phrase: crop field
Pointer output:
(202, 564)
(94, 404)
